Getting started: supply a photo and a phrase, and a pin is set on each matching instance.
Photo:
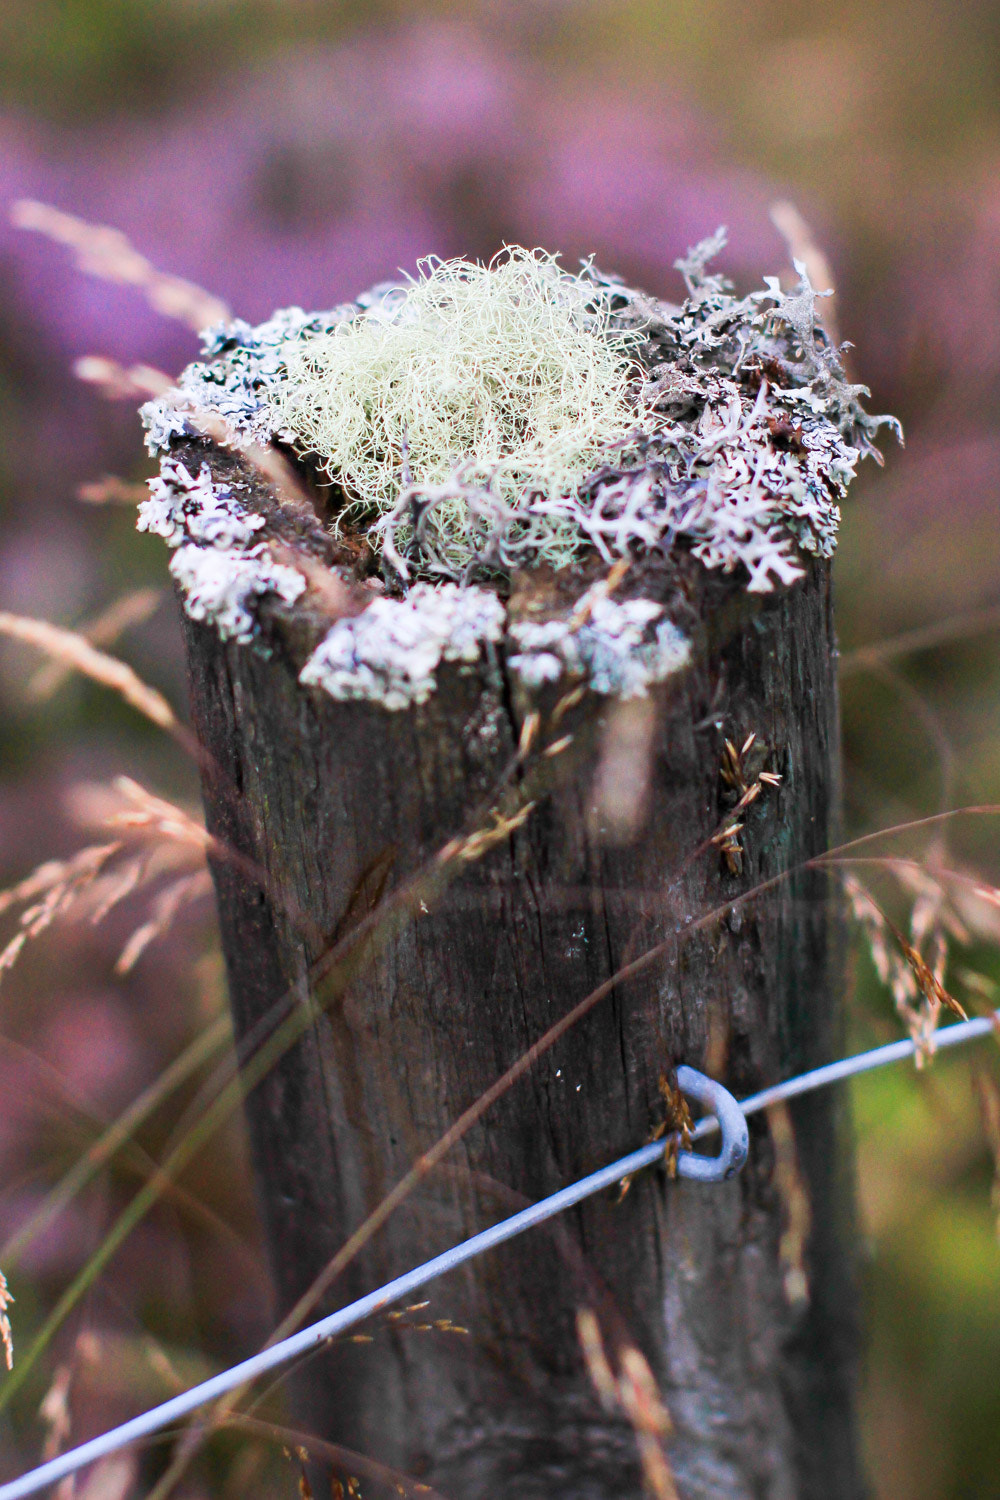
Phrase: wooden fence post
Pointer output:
(341, 801)
(480, 856)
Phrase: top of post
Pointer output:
(458, 429)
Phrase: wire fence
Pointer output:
(169, 1412)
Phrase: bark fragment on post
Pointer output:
(607, 751)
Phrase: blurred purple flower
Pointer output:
(317, 173)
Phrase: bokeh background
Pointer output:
(292, 151)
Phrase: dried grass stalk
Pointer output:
(106, 253)
(76, 652)
(915, 978)
(797, 1211)
(110, 1479)
(110, 489)
(118, 383)
(165, 908)
(58, 886)
(635, 1393)
(54, 871)
(802, 247)
(144, 810)
(123, 614)
(644, 1408)
(159, 839)
(54, 1412)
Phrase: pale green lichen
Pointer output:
(512, 371)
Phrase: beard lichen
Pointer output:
(511, 371)
(479, 419)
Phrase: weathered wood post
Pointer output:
(361, 712)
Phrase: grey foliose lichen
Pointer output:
(219, 567)
(751, 435)
(193, 507)
(242, 367)
(223, 587)
(619, 649)
(390, 654)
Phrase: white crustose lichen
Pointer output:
(223, 586)
(188, 507)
